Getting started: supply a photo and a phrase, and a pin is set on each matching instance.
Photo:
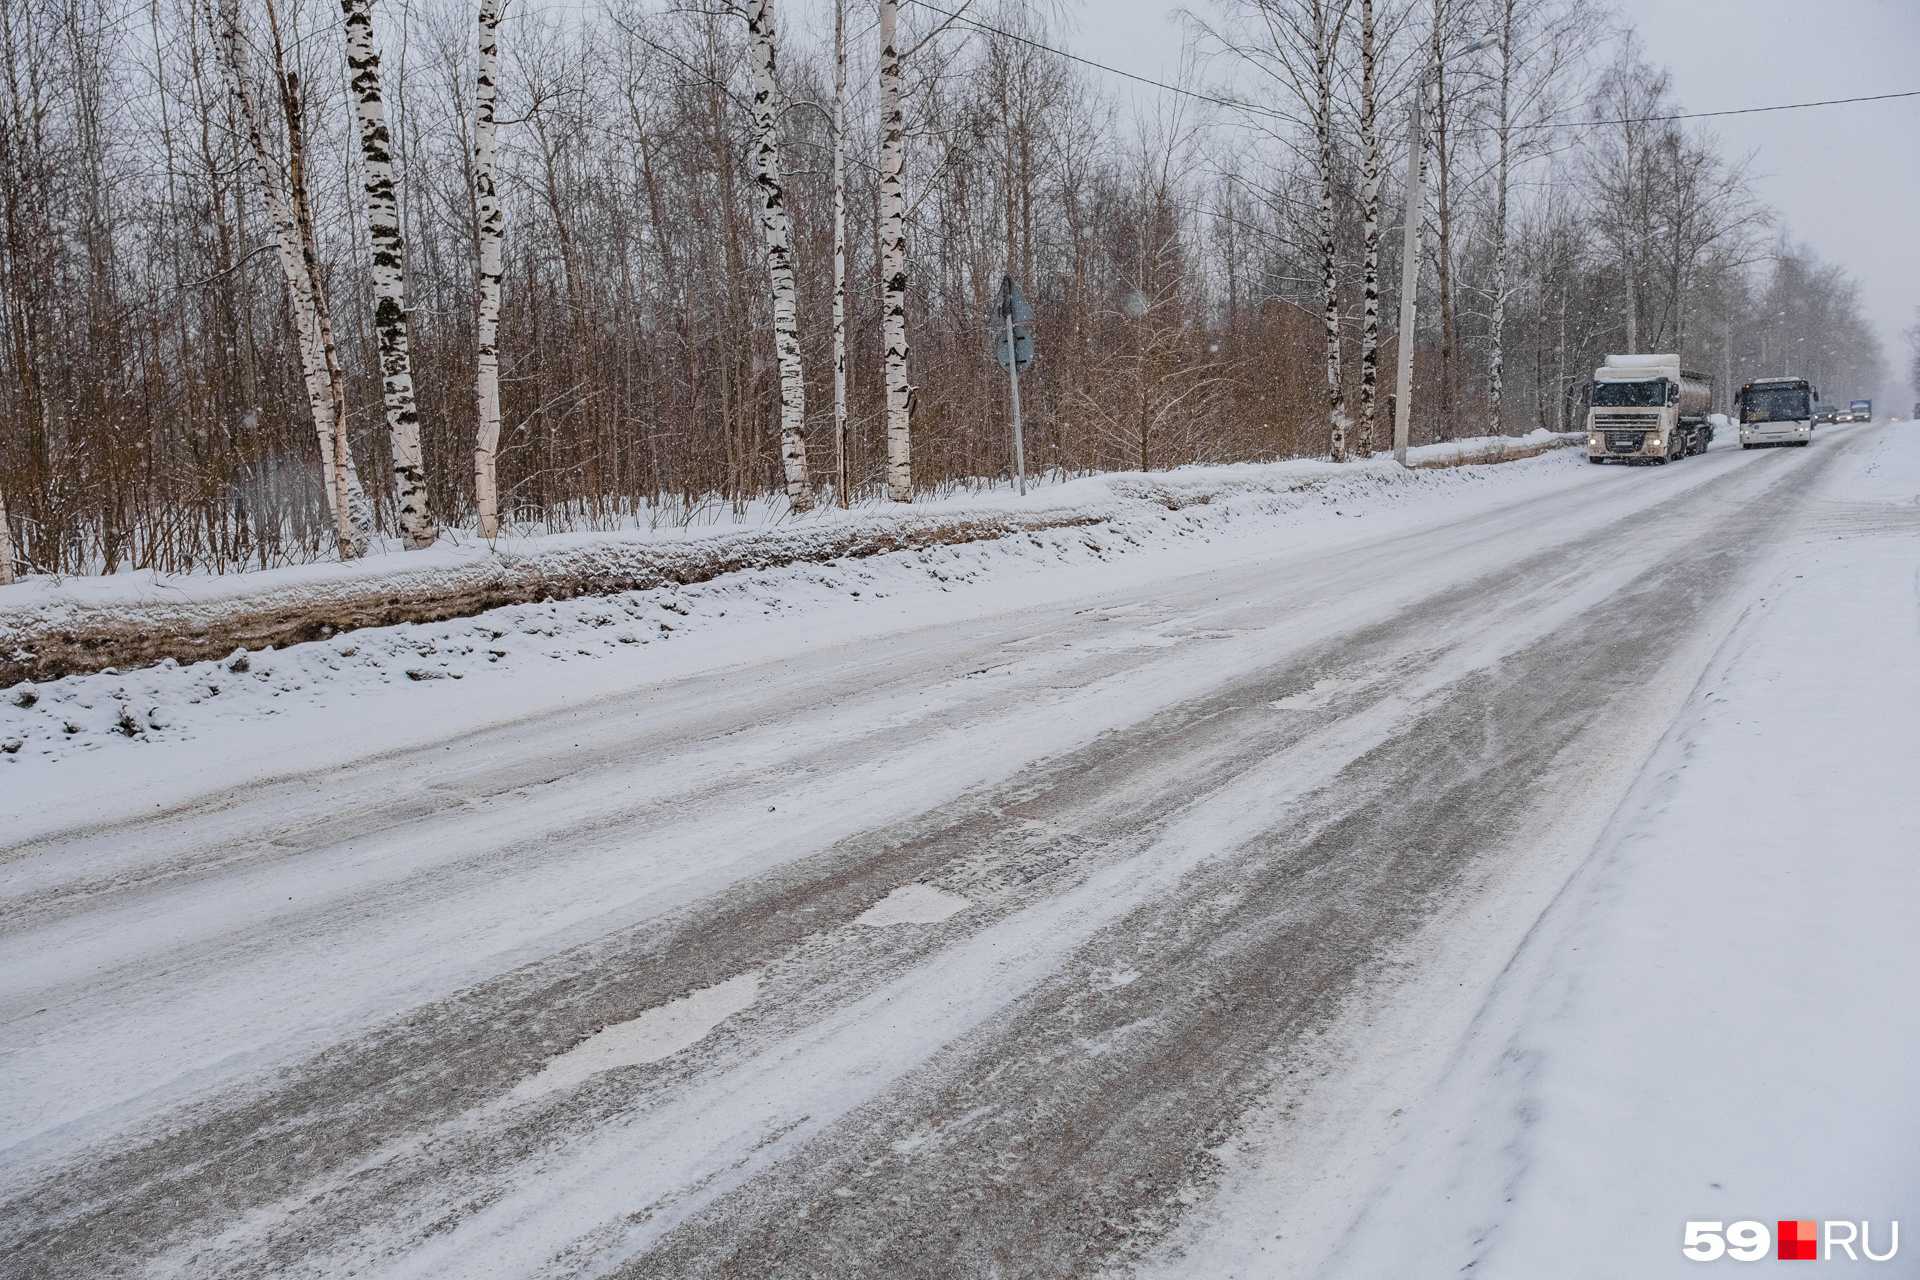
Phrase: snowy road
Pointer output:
(1173, 821)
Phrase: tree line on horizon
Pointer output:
(284, 280)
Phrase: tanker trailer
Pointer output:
(1646, 408)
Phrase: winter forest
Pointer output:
(285, 280)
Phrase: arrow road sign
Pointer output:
(1012, 304)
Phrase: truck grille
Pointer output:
(1623, 419)
(1624, 441)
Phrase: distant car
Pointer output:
(1823, 413)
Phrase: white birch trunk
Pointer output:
(346, 479)
(1370, 197)
(6, 545)
(492, 222)
(779, 237)
(1325, 34)
(893, 258)
(1496, 326)
(842, 483)
(417, 528)
(294, 270)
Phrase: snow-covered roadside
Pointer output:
(1713, 1021)
(255, 713)
(51, 627)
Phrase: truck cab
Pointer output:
(1862, 410)
(1776, 411)
(1647, 409)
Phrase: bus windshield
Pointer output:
(1783, 404)
(1630, 395)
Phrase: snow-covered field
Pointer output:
(1496, 868)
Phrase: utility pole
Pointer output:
(1410, 271)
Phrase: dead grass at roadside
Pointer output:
(1498, 451)
(77, 638)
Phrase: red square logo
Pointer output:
(1799, 1241)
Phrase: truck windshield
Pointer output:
(1630, 395)
(1787, 404)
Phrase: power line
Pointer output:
(1248, 106)
(1742, 111)
(1100, 66)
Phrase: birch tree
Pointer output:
(778, 231)
(1620, 169)
(293, 111)
(1301, 49)
(388, 245)
(1295, 44)
(893, 258)
(1502, 184)
(491, 218)
(1448, 16)
(841, 483)
(296, 271)
(6, 545)
(1541, 46)
(1370, 215)
(1326, 20)
(165, 378)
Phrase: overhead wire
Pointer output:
(990, 29)
(1738, 111)
(1240, 105)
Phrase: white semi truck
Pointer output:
(1646, 408)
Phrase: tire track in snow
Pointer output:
(1074, 1134)
(450, 1057)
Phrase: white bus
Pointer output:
(1776, 411)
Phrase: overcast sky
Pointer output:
(1845, 179)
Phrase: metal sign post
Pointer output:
(1013, 348)
(1019, 444)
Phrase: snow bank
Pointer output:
(51, 627)
(271, 696)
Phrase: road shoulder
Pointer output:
(1711, 1021)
